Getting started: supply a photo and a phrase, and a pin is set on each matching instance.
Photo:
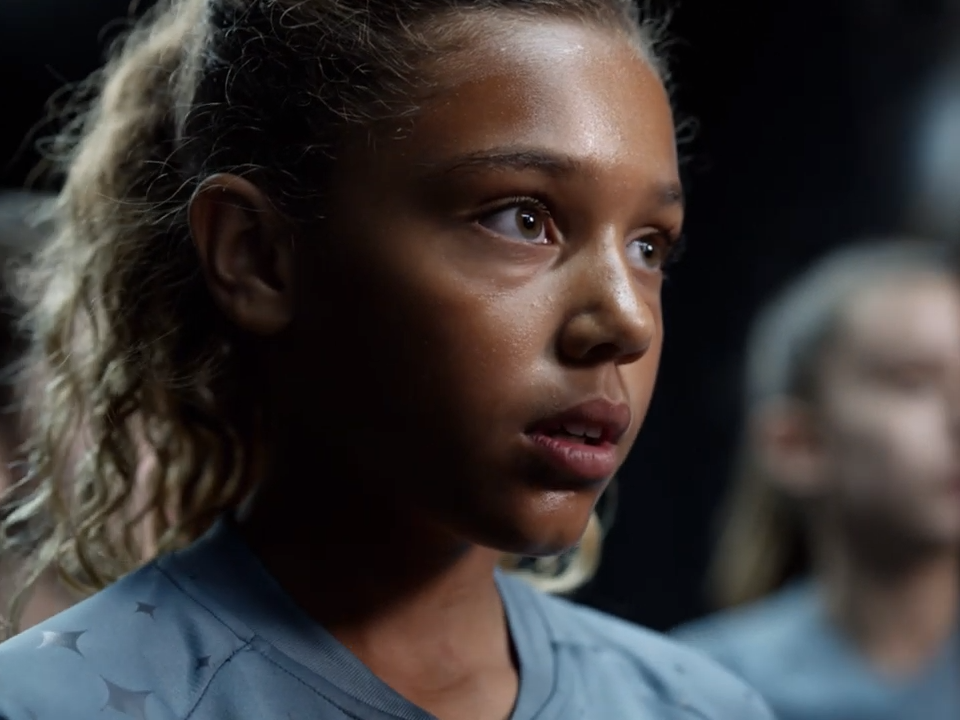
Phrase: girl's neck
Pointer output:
(363, 535)
(899, 614)
(410, 602)
(379, 555)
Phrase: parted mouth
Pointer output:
(594, 422)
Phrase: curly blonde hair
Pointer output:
(133, 348)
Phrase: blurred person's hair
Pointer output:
(762, 543)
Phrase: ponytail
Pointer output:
(124, 330)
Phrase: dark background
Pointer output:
(812, 129)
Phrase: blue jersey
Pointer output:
(787, 648)
(207, 634)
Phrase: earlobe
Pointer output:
(788, 447)
(246, 253)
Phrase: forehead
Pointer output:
(575, 87)
(916, 313)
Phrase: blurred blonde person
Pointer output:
(838, 565)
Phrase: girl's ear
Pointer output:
(246, 252)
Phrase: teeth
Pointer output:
(591, 431)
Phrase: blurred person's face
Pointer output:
(888, 413)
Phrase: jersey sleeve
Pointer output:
(43, 676)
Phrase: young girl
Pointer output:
(394, 266)
(853, 472)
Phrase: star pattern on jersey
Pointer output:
(67, 640)
(145, 609)
(132, 703)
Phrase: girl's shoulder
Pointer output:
(138, 638)
(661, 673)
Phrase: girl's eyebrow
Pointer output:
(513, 158)
(541, 160)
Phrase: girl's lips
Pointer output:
(606, 421)
(585, 462)
(582, 442)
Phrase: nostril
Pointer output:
(609, 332)
(606, 353)
(603, 353)
(629, 358)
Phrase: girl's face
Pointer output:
(479, 324)
(891, 411)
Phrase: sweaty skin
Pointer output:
(449, 339)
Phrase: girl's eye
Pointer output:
(525, 223)
(651, 252)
